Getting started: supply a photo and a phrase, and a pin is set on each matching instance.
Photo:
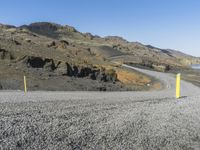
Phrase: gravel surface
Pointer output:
(102, 120)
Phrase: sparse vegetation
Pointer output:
(42, 50)
(188, 74)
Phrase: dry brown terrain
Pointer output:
(56, 57)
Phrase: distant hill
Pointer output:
(112, 42)
(57, 57)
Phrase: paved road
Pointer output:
(102, 120)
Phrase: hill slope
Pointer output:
(56, 57)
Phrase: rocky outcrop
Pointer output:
(3, 26)
(71, 70)
(38, 62)
(162, 68)
(152, 65)
(42, 26)
(107, 75)
(51, 44)
(87, 71)
(89, 36)
(69, 28)
(62, 44)
(59, 44)
(48, 29)
(6, 55)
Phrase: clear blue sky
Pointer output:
(171, 24)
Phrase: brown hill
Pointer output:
(56, 57)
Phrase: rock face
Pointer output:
(43, 26)
(49, 29)
(87, 71)
(38, 62)
(69, 28)
(66, 69)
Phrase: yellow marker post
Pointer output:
(178, 85)
(25, 88)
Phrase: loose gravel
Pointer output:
(102, 120)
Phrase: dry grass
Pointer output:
(130, 77)
(126, 76)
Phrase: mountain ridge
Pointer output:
(72, 29)
(56, 26)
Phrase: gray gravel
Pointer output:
(102, 120)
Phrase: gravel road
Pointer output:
(102, 120)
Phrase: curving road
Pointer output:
(187, 90)
(102, 120)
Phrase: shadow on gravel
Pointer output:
(183, 97)
(156, 100)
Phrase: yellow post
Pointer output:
(178, 85)
(25, 88)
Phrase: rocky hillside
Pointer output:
(56, 57)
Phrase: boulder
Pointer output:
(63, 44)
(161, 68)
(51, 44)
